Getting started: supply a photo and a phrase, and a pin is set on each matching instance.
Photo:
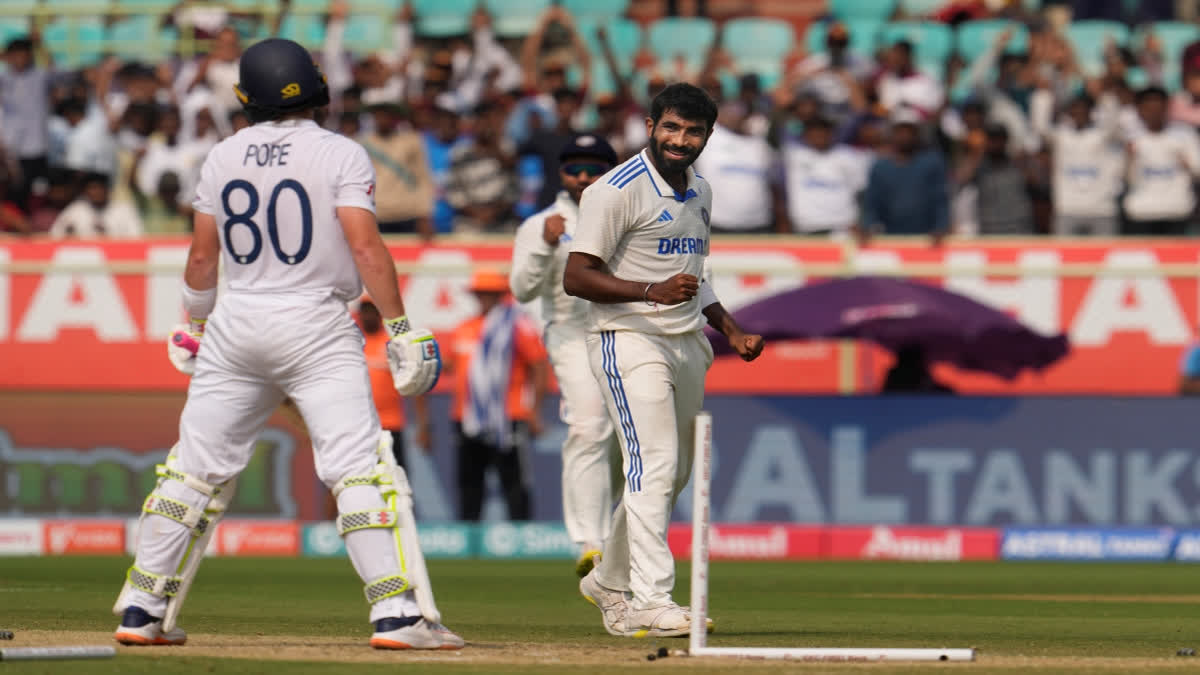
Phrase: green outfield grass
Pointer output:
(1135, 615)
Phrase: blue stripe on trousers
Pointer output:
(609, 353)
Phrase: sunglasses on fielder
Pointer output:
(590, 168)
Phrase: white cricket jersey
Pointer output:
(645, 232)
(823, 187)
(1088, 168)
(1160, 175)
(537, 267)
(740, 169)
(274, 188)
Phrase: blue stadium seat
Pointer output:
(140, 38)
(864, 36)
(692, 37)
(931, 41)
(308, 30)
(878, 10)
(624, 36)
(443, 18)
(366, 33)
(1088, 38)
(75, 42)
(596, 10)
(976, 37)
(920, 8)
(377, 8)
(515, 18)
(13, 27)
(759, 46)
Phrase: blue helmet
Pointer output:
(278, 77)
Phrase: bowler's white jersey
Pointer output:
(645, 232)
(274, 188)
(537, 267)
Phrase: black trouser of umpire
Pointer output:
(476, 454)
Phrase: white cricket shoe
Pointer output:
(139, 628)
(666, 621)
(413, 633)
(614, 605)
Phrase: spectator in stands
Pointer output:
(167, 210)
(1007, 94)
(1185, 104)
(164, 153)
(743, 171)
(903, 86)
(544, 72)
(1163, 162)
(622, 123)
(12, 218)
(349, 125)
(93, 215)
(1089, 170)
(217, 72)
(25, 104)
(404, 186)
(441, 135)
(834, 74)
(91, 145)
(1002, 182)
(47, 207)
(545, 144)
(907, 188)
(482, 186)
(823, 182)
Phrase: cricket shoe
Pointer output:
(587, 562)
(614, 605)
(413, 632)
(139, 628)
(665, 621)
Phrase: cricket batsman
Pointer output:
(539, 257)
(288, 208)
(638, 256)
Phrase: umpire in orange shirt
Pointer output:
(500, 373)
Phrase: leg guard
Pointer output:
(392, 484)
(201, 521)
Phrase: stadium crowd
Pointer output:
(996, 117)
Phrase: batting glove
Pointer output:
(183, 344)
(414, 357)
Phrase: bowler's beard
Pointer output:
(665, 165)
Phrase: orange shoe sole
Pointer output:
(381, 643)
(138, 640)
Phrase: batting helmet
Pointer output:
(278, 77)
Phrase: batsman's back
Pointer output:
(274, 189)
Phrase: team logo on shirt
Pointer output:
(704, 215)
(681, 246)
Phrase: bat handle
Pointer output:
(182, 339)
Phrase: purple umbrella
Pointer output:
(896, 314)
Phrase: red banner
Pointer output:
(821, 542)
(87, 537)
(94, 315)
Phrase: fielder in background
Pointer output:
(639, 256)
(287, 206)
(539, 256)
(500, 379)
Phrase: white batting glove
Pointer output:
(414, 357)
(183, 344)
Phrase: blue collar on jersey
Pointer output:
(655, 178)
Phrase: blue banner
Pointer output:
(1146, 545)
(939, 460)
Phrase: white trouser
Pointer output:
(653, 386)
(258, 349)
(590, 470)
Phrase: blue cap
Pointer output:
(589, 145)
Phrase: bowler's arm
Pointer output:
(587, 277)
